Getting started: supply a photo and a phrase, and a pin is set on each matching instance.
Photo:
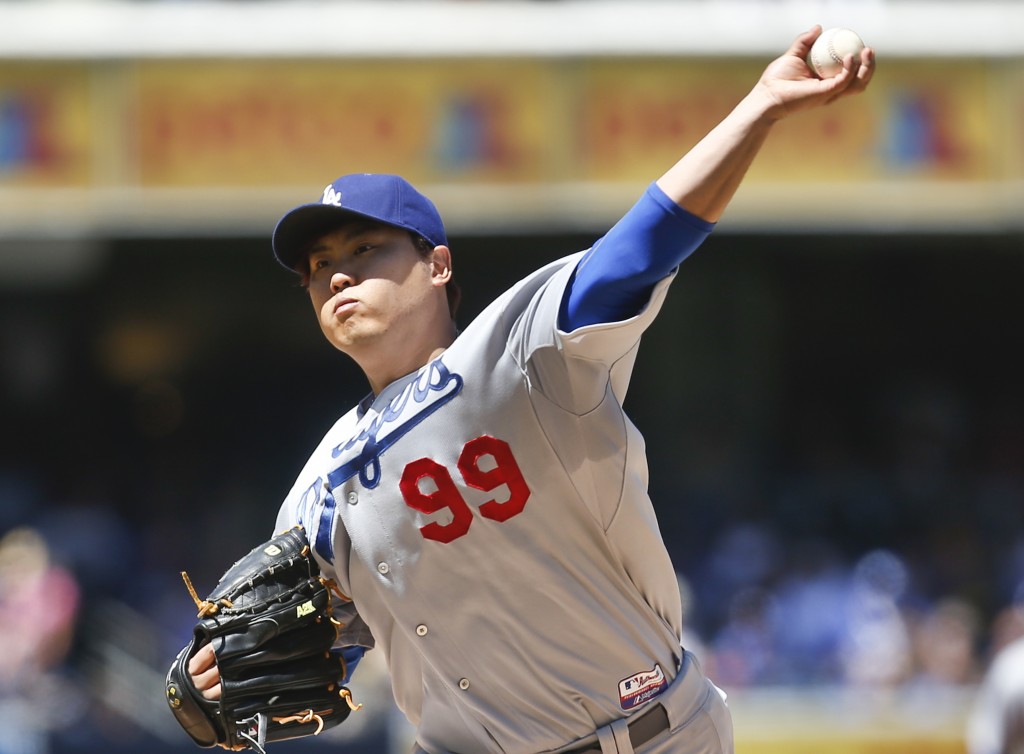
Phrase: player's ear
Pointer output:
(440, 265)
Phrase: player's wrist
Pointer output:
(762, 105)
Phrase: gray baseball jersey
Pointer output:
(489, 517)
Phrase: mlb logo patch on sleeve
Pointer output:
(642, 687)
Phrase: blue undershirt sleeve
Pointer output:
(613, 281)
(352, 657)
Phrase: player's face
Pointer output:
(372, 289)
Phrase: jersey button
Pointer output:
(421, 630)
(383, 567)
(353, 497)
(464, 683)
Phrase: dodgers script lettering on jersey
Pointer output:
(434, 387)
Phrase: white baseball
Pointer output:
(827, 52)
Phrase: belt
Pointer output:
(642, 728)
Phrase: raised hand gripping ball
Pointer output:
(826, 55)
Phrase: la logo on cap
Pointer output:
(331, 196)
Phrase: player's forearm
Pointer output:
(707, 177)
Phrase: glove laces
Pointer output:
(205, 606)
(256, 736)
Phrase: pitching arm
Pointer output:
(705, 179)
(672, 219)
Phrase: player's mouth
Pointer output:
(344, 306)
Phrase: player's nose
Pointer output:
(340, 281)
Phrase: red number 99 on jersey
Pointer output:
(486, 464)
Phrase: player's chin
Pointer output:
(336, 320)
(345, 335)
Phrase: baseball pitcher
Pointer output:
(481, 518)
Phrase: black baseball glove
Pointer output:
(271, 627)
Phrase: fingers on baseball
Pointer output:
(802, 44)
(867, 65)
(857, 71)
(854, 77)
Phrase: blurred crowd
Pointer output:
(830, 621)
(892, 563)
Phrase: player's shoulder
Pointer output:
(517, 297)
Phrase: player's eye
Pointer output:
(363, 248)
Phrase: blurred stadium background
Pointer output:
(832, 396)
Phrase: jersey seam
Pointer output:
(623, 432)
(608, 395)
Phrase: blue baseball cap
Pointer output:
(388, 199)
